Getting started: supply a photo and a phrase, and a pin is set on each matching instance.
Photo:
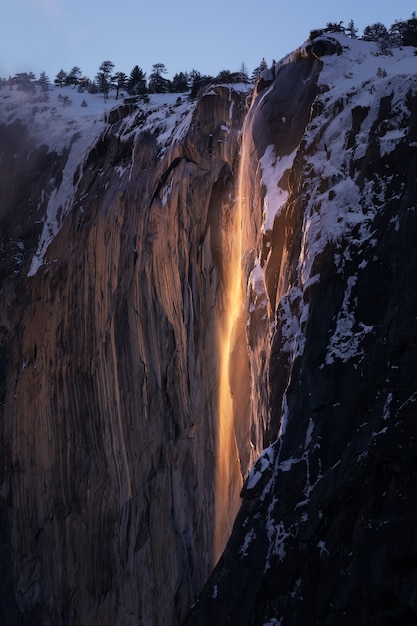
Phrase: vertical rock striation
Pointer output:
(110, 383)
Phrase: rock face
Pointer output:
(184, 291)
(109, 372)
(326, 531)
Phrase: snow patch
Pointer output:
(273, 170)
(391, 139)
(322, 547)
(277, 535)
(348, 335)
(387, 407)
(243, 550)
(166, 192)
(264, 462)
(61, 199)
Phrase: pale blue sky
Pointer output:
(47, 35)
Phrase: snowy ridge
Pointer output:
(64, 118)
(54, 117)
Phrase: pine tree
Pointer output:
(227, 77)
(375, 32)
(258, 70)
(136, 84)
(194, 76)
(66, 101)
(180, 82)
(404, 33)
(25, 81)
(120, 80)
(351, 31)
(335, 27)
(157, 83)
(411, 35)
(44, 82)
(60, 78)
(73, 77)
(243, 72)
(378, 32)
(199, 82)
(103, 78)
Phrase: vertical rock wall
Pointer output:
(326, 532)
(110, 387)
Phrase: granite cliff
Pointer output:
(326, 531)
(207, 299)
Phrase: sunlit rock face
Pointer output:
(326, 531)
(109, 366)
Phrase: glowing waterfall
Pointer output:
(228, 481)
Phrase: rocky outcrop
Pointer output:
(325, 532)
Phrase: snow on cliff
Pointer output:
(340, 209)
(353, 76)
(65, 119)
(321, 504)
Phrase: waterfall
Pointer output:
(234, 379)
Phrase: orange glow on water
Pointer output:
(228, 477)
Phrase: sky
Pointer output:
(209, 36)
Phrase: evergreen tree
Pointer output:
(351, 31)
(375, 32)
(410, 35)
(25, 81)
(60, 78)
(404, 33)
(44, 82)
(103, 78)
(180, 83)
(199, 82)
(73, 77)
(136, 84)
(120, 80)
(263, 65)
(194, 78)
(396, 33)
(226, 76)
(243, 72)
(378, 33)
(157, 83)
(335, 27)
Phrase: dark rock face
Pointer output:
(26, 169)
(325, 534)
